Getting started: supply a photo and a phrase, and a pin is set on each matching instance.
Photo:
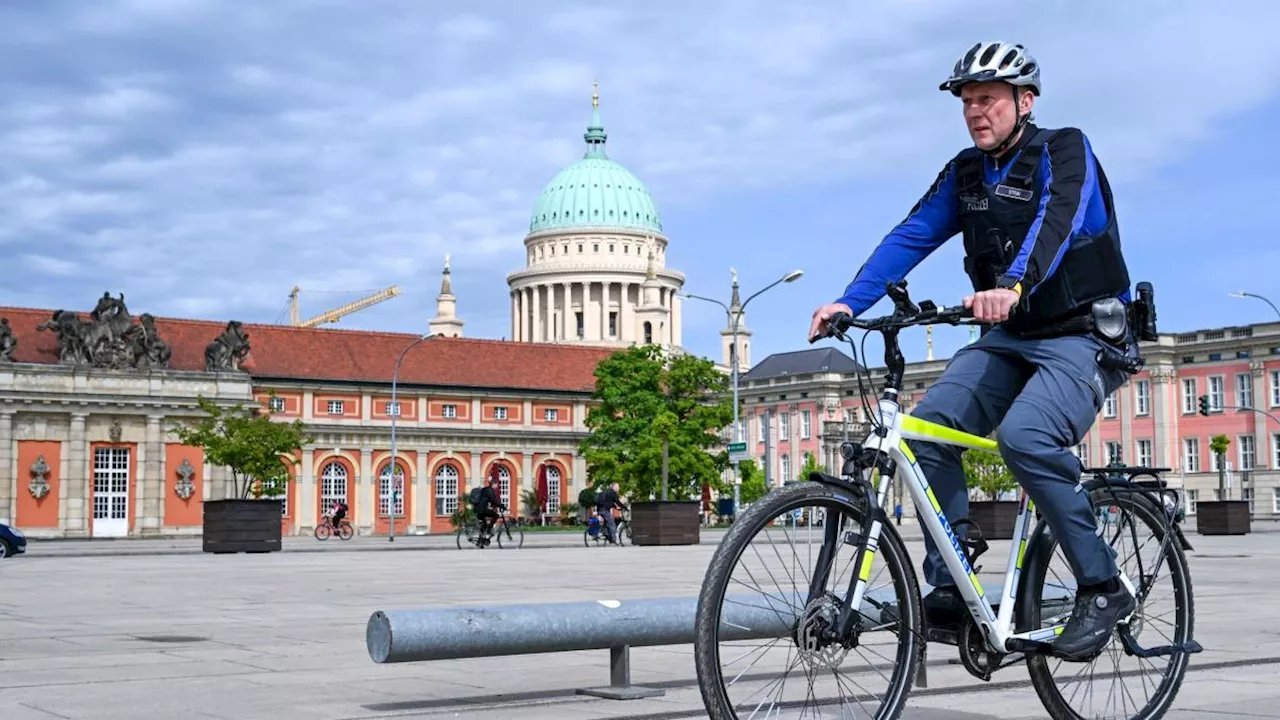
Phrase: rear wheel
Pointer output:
(759, 641)
(345, 531)
(1114, 684)
(5, 550)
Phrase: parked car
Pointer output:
(12, 541)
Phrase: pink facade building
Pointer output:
(805, 403)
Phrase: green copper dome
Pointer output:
(595, 192)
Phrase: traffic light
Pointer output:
(1204, 405)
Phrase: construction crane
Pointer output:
(332, 315)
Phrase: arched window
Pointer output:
(553, 490)
(504, 485)
(648, 333)
(333, 484)
(446, 489)
(385, 489)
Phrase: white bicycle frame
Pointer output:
(998, 629)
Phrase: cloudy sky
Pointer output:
(204, 156)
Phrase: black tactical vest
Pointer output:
(995, 221)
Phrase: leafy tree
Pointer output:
(647, 405)
(255, 447)
(986, 472)
(753, 486)
(1218, 444)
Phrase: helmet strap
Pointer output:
(1021, 122)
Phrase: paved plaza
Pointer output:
(155, 629)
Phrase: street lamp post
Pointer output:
(733, 360)
(1242, 293)
(395, 413)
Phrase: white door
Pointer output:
(110, 492)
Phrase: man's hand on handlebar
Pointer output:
(818, 327)
(992, 306)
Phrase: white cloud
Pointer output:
(181, 150)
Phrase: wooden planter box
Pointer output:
(994, 518)
(1222, 517)
(234, 526)
(665, 523)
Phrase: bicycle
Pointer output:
(598, 533)
(502, 527)
(325, 529)
(823, 626)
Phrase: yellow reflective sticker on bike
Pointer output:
(933, 500)
(866, 565)
(906, 450)
(934, 431)
(1022, 549)
(973, 577)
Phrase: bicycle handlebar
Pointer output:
(905, 314)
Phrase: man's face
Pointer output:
(989, 111)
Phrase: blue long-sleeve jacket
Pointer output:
(1070, 205)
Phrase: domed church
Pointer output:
(595, 270)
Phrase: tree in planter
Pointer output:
(1218, 445)
(987, 473)
(248, 442)
(648, 408)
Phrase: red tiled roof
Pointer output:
(282, 351)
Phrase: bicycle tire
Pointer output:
(323, 531)
(1039, 554)
(892, 552)
(345, 531)
(514, 539)
(461, 529)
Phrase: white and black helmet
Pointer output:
(987, 61)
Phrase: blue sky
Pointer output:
(204, 157)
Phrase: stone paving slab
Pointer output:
(282, 635)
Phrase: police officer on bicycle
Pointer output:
(1042, 251)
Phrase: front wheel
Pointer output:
(511, 537)
(756, 627)
(323, 531)
(1115, 684)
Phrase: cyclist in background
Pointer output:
(483, 505)
(606, 500)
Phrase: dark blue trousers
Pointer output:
(1043, 395)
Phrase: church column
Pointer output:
(604, 309)
(590, 326)
(550, 310)
(524, 313)
(515, 316)
(536, 293)
(627, 316)
(8, 484)
(566, 311)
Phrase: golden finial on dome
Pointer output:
(595, 94)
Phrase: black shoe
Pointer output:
(944, 612)
(1092, 622)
